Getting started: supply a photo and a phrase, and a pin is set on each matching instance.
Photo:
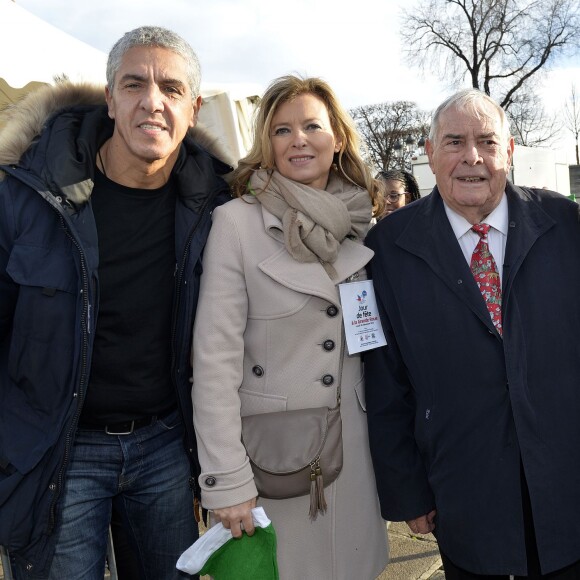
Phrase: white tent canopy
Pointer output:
(33, 51)
(228, 110)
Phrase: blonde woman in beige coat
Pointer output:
(268, 334)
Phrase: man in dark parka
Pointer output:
(105, 207)
(474, 428)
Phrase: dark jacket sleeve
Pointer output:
(402, 485)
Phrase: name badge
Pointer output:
(362, 323)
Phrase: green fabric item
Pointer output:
(245, 558)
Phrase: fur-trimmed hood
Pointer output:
(23, 122)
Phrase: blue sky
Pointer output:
(354, 45)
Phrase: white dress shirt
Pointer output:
(496, 238)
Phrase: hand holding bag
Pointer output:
(294, 453)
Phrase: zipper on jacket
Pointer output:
(85, 327)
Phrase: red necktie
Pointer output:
(486, 275)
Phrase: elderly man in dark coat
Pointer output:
(474, 404)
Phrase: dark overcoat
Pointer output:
(453, 407)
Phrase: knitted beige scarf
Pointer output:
(314, 221)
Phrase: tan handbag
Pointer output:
(295, 453)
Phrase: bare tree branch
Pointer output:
(530, 124)
(381, 125)
(500, 45)
(571, 116)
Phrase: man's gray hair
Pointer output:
(468, 99)
(159, 37)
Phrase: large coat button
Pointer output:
(210, 481)
(327, 380)
(328, 345)
(258, 370)
(332, 311)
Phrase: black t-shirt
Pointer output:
(130, 369)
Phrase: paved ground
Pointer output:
(412, 557)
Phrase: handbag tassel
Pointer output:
(317, 499)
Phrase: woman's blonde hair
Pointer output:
(350, 165)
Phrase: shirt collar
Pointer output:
(497, 219)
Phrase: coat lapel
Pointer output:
(310, 277)
(430, 236)
(527, 222)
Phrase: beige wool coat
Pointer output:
(268, 329)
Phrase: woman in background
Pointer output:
(269, 333)
(401, 188)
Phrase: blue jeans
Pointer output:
(147, 475)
